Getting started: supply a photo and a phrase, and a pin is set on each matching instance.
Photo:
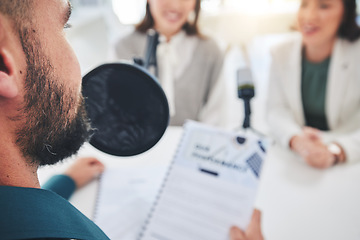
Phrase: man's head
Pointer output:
(40, 80)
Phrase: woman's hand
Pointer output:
(318, 156)
(310, 147)
(84, 170)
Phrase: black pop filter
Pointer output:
(127, 108)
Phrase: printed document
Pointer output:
(211, 185)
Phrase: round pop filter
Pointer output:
(127, 108)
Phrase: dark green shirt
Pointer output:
(313, 92)
(31, 213)
(61, 184)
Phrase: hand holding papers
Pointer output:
(211, 185)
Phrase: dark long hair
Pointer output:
(189, 28)
(349, 29)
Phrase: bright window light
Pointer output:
(255, 7)
(129, 11)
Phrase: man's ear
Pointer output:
(8, 83)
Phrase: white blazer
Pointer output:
(285, 112)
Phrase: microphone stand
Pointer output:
(246, 93)
(150, 55)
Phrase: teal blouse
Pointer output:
(313, 92)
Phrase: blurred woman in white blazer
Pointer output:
(314, 100)
(314, 92)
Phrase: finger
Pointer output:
(95, 169)
(96, 163)
(318, 163)
(253, 231)
(237, 234)
(91, 161)
(312, 133)
(311, 130)
(256, 215)
(90, 165)
(99, 169)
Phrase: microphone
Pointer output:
(150, 62)
(246, 92)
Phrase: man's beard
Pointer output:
(47, 134)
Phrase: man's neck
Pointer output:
(15, 171)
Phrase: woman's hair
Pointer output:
(349, 28)
(190, 28)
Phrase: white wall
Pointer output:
(94, 29)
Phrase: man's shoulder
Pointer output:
(38, 213)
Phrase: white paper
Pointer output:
(210, 187)
(125, 198)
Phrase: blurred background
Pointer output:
(96, 24)
(244, 29)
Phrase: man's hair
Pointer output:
(18, 11)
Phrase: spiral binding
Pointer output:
(97, 197)
(152, 210)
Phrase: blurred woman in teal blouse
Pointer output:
(314, 104)
(313, 100)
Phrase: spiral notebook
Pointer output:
(210, 186)
(125, 196)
